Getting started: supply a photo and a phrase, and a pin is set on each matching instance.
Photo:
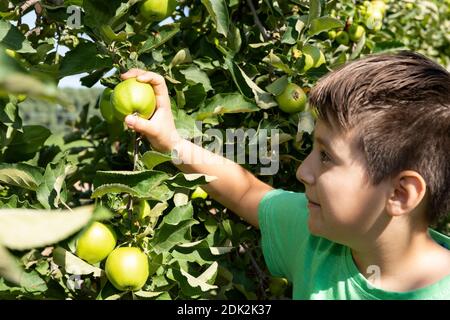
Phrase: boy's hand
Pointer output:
(160, 129)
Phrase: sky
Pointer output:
(71, 81)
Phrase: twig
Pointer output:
(257, 21)
(260, 273)
(136, 151)
(28, 4)
(129, 209)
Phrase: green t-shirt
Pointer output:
(319, 268)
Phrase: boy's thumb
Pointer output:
(136, 123)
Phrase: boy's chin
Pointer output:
(316, 230)
(313, 228)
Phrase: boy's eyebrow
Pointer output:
(326, 144)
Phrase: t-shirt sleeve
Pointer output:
(283, 220)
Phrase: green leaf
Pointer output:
(102, 213)
(194, 75)
(179, 214)
(249, 88)
(185, 124)
(219, 12)
(78, 3)
(275, 61)
(193, 257)
(9, 115)
(9, 268)
(22, 229)
(42, 267)
(147, 294)
(164, 34)
(183, 56)
(99, 12)
(32, 282)
(305, 122)
(168, 235)
(13, 39)
(234, 39)
(84, 58)
(159, 193)
(203, 281)
(194, 95)
(21, 83)
(152, 158)
(324, 24)
(226, 103)
(190, 180)
(21, 175)
(52, 191)
(278, 86)
(359, 47)
(180, 198)
(24, 145)
(294, 27)
(109, 35)
(314, 10)
(74, 265)
(13, 201)
(389, 45)
(141, 184)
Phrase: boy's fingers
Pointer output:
(156, 80)
(138, 124)
(132, 73)
(152, 77)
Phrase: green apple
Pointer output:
(131, 96)
(277, 286)
(374, 20)
(331, 34)
(106, 107)
(127, 268)
(157, 10)
(379, 5)
(292, 99)
(96, 242)
(355, 32)
(143, 209)
(342, 37)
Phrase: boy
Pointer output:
(377, 177)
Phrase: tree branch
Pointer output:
(257, 21)
(28, 4)
(262, 276)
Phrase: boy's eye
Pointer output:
(324, 157)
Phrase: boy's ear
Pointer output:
(408, 191)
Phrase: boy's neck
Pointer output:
(405, 261)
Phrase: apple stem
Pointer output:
(137, 140)
(129, 209)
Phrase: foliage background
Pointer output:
(58, 153)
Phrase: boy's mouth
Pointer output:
(312, 204)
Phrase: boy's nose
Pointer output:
(304, 174)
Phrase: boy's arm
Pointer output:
(235, 188)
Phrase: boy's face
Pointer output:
(343, 205)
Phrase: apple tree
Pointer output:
(229, 64)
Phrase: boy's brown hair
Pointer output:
(399, 105)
